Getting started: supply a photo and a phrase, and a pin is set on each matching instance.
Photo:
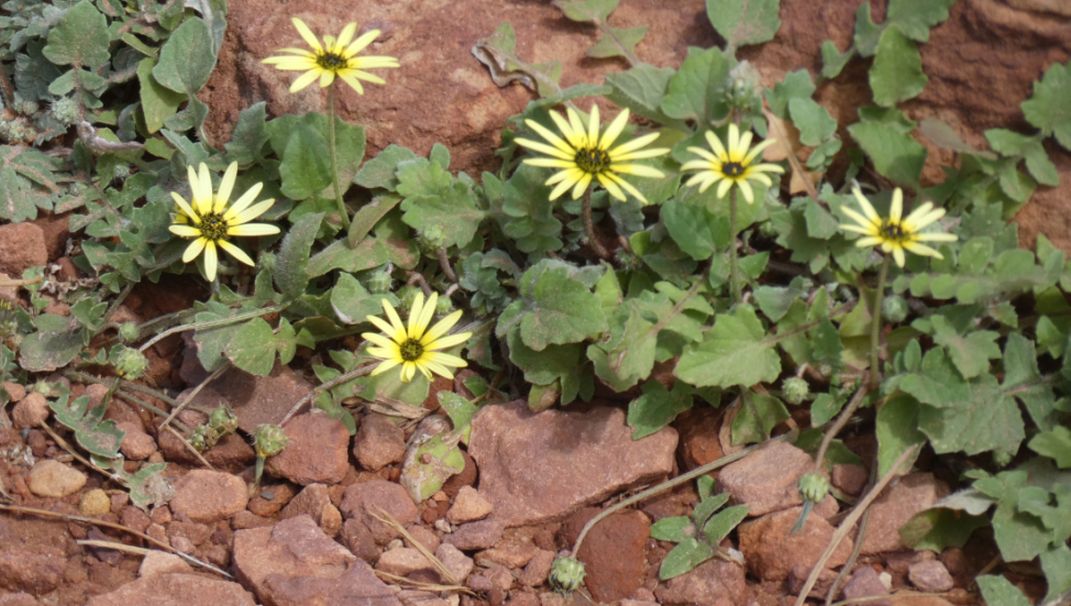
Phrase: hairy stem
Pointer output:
(331, 119)
(589, 227)
(875, 324)
(256, 313)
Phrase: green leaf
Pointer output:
(696, 230)
(436, 201)
(971, 417)
(305, 169)
(757, 416)
(428, 466)
(657, 407)
(292, 263)
(250, 135)
(896, 74)
(744, 22)
(970, 353)
(641, 89)
(627, 355)
(1047, 108)
(187, 58)
(57, 342)
(157, 102)
(460, 412)
(617, 42)
(251, 348)
(379, 171)
(684, 557)
(99, 437)
(352, 302)
(998, 591)
(897, 431)
(554, 308)
(673, 528)
(554, 364)
(587, 10)
(147, 486)
(735, 352)
(722, 523)
(939, 528)
(80, 38)
(888, 143)
(697, 91)
(812, 120)
(833, 61)
(914, 18)
(1055, 444)
(1056, 563)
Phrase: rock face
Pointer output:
(22, 246)
(896, 505)
(772, 552)
(176, 589)
(766, 479)
(255, 400)
(203, 495)
(294, 563)
(712, 583)
(318, 451)
(537, 467)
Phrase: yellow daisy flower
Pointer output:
(732, 165)
(583, 155)
(896, 233)
(335, 57)
(415, 346)
(211, 222)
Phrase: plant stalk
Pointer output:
(875, 324)
(734, 283)
(589, 227)
(331, 119)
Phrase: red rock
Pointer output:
(712, 583)
(157, 562)
(316, 453)
(865, 583)
(314, 502)
(137, 445)
(203, 495)
(475, 535)
(601, 459)
(18, 599)
(30, 411)
(378, 443)
(766, 479)
(50, 478)
(363, 499)
(467, 477)
(771, 550)
(897, 504)
(176, 589)
(930, 576)
(295, 564)
(22, 246)
(698, 429)
(538, 568)
(849, 478)
(255, 400)
(14, 390)
(403, 561)
(459, 564)
(271, 498)
(512, 551)
(31, 568)
(359, 540)
(469, 506)
(420, 534)
(55, 231)
(614, 554)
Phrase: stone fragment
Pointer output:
(420, 534)
(31, 568)
(295, 564)
(897, 504)
(766, 480)
(95, 502)
(865, 583)
(569, 459)
(158, 562)
(22, 246)
(537, 569)
(712, 583)
(255, 400)
(378, 443)
(359, 540)
(50, 478)
(403, 561)
(930, 576)
(317, 451)
(849, 478)
(615, 555)
(232, 453)
(315, 502)
(271, 498)
(364, 500)
(137, 445)
(771, 550)
(30, 411)
(475, 535)
(203, 495)
(469, 506)
(459, 564)
(176, 589)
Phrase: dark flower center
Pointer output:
(411, 350)
(732, 169)
(331, 61)
(592, 160)
(213, 226)
(893, 231)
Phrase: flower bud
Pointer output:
(128, 332)
(269, 440)
(223, 420)
(813, 487)
(129, 363)
(566, 574)
(894, 308)
(795, 390)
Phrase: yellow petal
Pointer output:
(236, 252)
(252, 212)
(360, 43)
(211, 260)
(304, 80)
(193, 250)
(345, 37)
(185, 231)
(395, 321)
(614, 130)
(226, 186)
(306, 34)
(253, 229)
(243, 201)
(896, 209)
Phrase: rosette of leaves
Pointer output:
(698, 535)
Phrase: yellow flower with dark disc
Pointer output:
(896, 233)
(212, 221)
(732, 164)
(413, 345)
(335, 57)
(582, 155)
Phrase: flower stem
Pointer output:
(875, 324)
(589, 227)
(734, 284)
(331, 119)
